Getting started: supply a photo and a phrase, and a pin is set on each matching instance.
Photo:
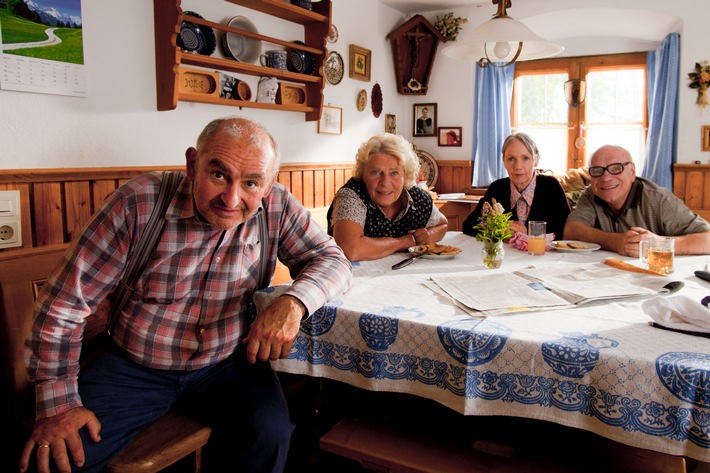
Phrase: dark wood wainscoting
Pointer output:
(56, 203)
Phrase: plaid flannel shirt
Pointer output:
(191, 304)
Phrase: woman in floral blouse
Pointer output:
(381, 210)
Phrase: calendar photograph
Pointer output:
(42, 47)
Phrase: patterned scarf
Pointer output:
(523, 200)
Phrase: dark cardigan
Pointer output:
(549, 204)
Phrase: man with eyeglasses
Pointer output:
(618, 209)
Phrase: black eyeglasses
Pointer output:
(613, 168)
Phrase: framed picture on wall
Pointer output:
(449, 135)
(360, 63)
(390, 123)
(706, 138)
(331, 121)
(424, 119)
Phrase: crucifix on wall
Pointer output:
(414, 46)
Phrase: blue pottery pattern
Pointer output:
(377, 331)
(473, 342)
(616, 411)
(573, 355)
(380, 330)
(684, 374)
(322, 320)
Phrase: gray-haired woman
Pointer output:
(525, 193)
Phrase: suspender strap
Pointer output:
(144, 247)
(263, 241)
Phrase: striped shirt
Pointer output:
(648, 206)
(191, 305)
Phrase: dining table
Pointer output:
(602, 366)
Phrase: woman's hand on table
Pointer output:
(421, 236)
(516, 226)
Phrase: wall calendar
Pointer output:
(42, 47)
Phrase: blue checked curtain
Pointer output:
(663, 76)
(491, 121)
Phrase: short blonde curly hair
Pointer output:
(392, 145)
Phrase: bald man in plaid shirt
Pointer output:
(185, 339)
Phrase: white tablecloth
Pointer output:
(598, 367)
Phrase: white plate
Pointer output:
(416, 249)
(459, 195)
(429, 167)
(589, 246)
(240, 47)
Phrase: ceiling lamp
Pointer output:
(505, 39)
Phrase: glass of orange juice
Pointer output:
(536, 237)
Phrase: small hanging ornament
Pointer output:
(376, 100)
(700, 79)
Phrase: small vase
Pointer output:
(493, 253)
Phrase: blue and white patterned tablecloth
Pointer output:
(602, 368)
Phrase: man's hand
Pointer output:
(57, 434)
(273, 332)
(630, 241)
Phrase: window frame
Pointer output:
(578, 68)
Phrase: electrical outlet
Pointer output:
(9, 235)
(10, 217)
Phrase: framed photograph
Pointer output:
(449, 135)
(424, 119)
(706, 138)
(390, 123)
(331, 121)
(360, 59)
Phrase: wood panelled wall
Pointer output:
(56, 203)
(691, 183)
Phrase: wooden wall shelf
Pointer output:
(168, 16)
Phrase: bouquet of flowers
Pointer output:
(700, 79)
(449, 26)
(494, 224)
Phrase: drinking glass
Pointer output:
(657, 254)
(537, 230)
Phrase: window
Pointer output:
(614, 111)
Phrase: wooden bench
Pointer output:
(173, 438)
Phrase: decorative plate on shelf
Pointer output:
(334, 68)
(332, 34)
(428, 167)
(300, 61)
(361, 100)
(196, 38)
(238, 47)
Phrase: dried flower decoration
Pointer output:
(494, 223)
(700, 79)
(449, 26)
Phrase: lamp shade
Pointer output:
(481, 42)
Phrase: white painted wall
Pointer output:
(452, 82)
(118, 125)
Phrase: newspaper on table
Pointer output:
(553, 287)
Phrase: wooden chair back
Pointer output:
(173, 438)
